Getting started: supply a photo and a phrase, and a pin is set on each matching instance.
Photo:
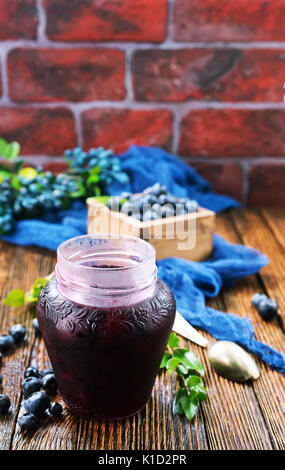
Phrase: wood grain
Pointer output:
(236, 416)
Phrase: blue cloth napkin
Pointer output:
(190, 282)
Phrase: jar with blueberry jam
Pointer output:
(105, 319)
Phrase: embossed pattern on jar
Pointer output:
(106, 359)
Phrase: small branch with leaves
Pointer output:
(18, 298)
(189, 371)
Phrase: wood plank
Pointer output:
(232, 415)
(19, 268)
(275, 219)
(269, 389)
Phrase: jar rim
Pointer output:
(108, 236)
(86, 275)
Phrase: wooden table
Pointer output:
(236, 416)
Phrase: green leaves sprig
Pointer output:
(9, 152)
(189, 371)
(18, 298)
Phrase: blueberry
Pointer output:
(46, 372)
(31, 372)
(156, 208)
(257, 298)
(1, 357)
(31, 385)
(5, 404)
(180, 210)
(162, 199)
(151, 199)
(18, 332)
(267, 309)
(167, 211)
(129, 208)
(37, 403)
(55, 409)
(36, 326)
(6, 342)
(191, 206)
(49, 384)
(149, 215)
(28, 422)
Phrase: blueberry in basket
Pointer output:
(155, 202)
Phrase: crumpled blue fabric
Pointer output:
(147, 165)
(190, 282)
(193, 282)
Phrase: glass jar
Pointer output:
(105, 319)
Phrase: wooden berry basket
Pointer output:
(188, 236)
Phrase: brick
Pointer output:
(266, 184)
(56, 167)
(233, 133)
(229, 20)
(225, 178)
(106, 20)
(120, 128)
(46, 75)
(209, 74)
(38, 130)
(18, 19)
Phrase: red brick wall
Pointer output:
(199, 78)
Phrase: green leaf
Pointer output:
(18, 165)
(97, 191)
(173, 341)
(95, 170)
(189, 360)
(182, 370)
(38, 286)
(15, 182)
(93, 179)
(9, 151)
(180, 395)
(196, 385)
(189, 406)
(16, 298)
(80, 192)
(166, 357)
(172, 364)
(14, 151)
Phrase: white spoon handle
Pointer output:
(183, 328)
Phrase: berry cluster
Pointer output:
(30, 192)
(16, 334)
(45, 191)
(37, 403)
(102, 161)
(267, 308)
(7, 198)
(153, 203)
(30, 197)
